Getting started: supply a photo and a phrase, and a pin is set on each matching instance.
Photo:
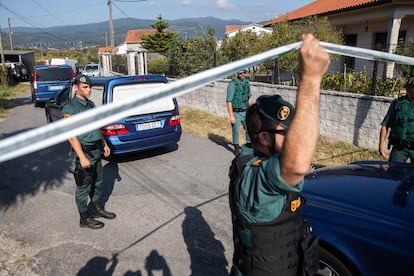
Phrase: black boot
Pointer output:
(87, 221)
(236, 149)
(100, 212)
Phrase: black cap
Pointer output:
(275, 108)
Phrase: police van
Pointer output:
(48, 80)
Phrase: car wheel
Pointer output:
(330, 265)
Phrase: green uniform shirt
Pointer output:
(400, 118)
(239, 93)
(75, 106)
(262, 192)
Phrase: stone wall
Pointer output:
(347, 117)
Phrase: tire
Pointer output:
(331, 265)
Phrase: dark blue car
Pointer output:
(152, 126)
(364, 215)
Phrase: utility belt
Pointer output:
(239, 109)
(90, 147)
(408, 144)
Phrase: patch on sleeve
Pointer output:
(257, 163)
(66, 115)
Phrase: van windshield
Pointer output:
(53, 74)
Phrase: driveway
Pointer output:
(171, 205)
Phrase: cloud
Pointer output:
(185, 2)
(225, 4)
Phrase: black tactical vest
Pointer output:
(283, 246)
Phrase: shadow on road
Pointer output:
(206, 252)
(156, 263)
(143, 154)
(32, 173)
(97, 266)
(220, 140)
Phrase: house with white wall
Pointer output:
(373, 24)
(232, 30)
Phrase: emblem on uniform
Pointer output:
(295, 204)
(283, 113)
(82, 79)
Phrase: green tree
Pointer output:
(289, 32)
(406, 50)
(162, 40)
(193, 55)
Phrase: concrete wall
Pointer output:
(347, 117)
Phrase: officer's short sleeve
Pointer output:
(230, 92)
(275, 181)
(67, 111)
(388, 119)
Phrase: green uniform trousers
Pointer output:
(93, 190)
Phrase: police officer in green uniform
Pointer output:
(86, 150)
(270, 236)
(400, 119)
(239, 98)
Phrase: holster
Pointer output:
(83, 176)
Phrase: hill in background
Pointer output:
(97, 34)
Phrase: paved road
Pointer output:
(171, 205)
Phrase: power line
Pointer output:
(49, 13)
(31, 24)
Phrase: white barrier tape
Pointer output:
(62, 130)
(366, 53)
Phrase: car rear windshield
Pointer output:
(91, 68)
(53, 74)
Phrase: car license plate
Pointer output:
(60, 87)
(150, 125)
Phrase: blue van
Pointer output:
(47, 81)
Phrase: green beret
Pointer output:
(275, 108)
(80, 78)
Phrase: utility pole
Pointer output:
(111, 27)
(10, 35)
(3, 76)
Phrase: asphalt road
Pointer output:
(171, 205)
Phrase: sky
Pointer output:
(50, 13)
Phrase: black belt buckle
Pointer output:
(239, 109)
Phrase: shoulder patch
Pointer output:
(257, 163)
(66, 115)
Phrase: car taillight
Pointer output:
(34, 81)
(114, 129)
(174, 120)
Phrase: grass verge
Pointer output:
(7, 93)
(217, 129)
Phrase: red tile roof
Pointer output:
(134, 36)
(230, 28)
(105, 49)
(322, 7)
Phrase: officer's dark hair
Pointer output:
(255, 122)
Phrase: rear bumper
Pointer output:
(120, 147)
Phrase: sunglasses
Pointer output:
(275, 131)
